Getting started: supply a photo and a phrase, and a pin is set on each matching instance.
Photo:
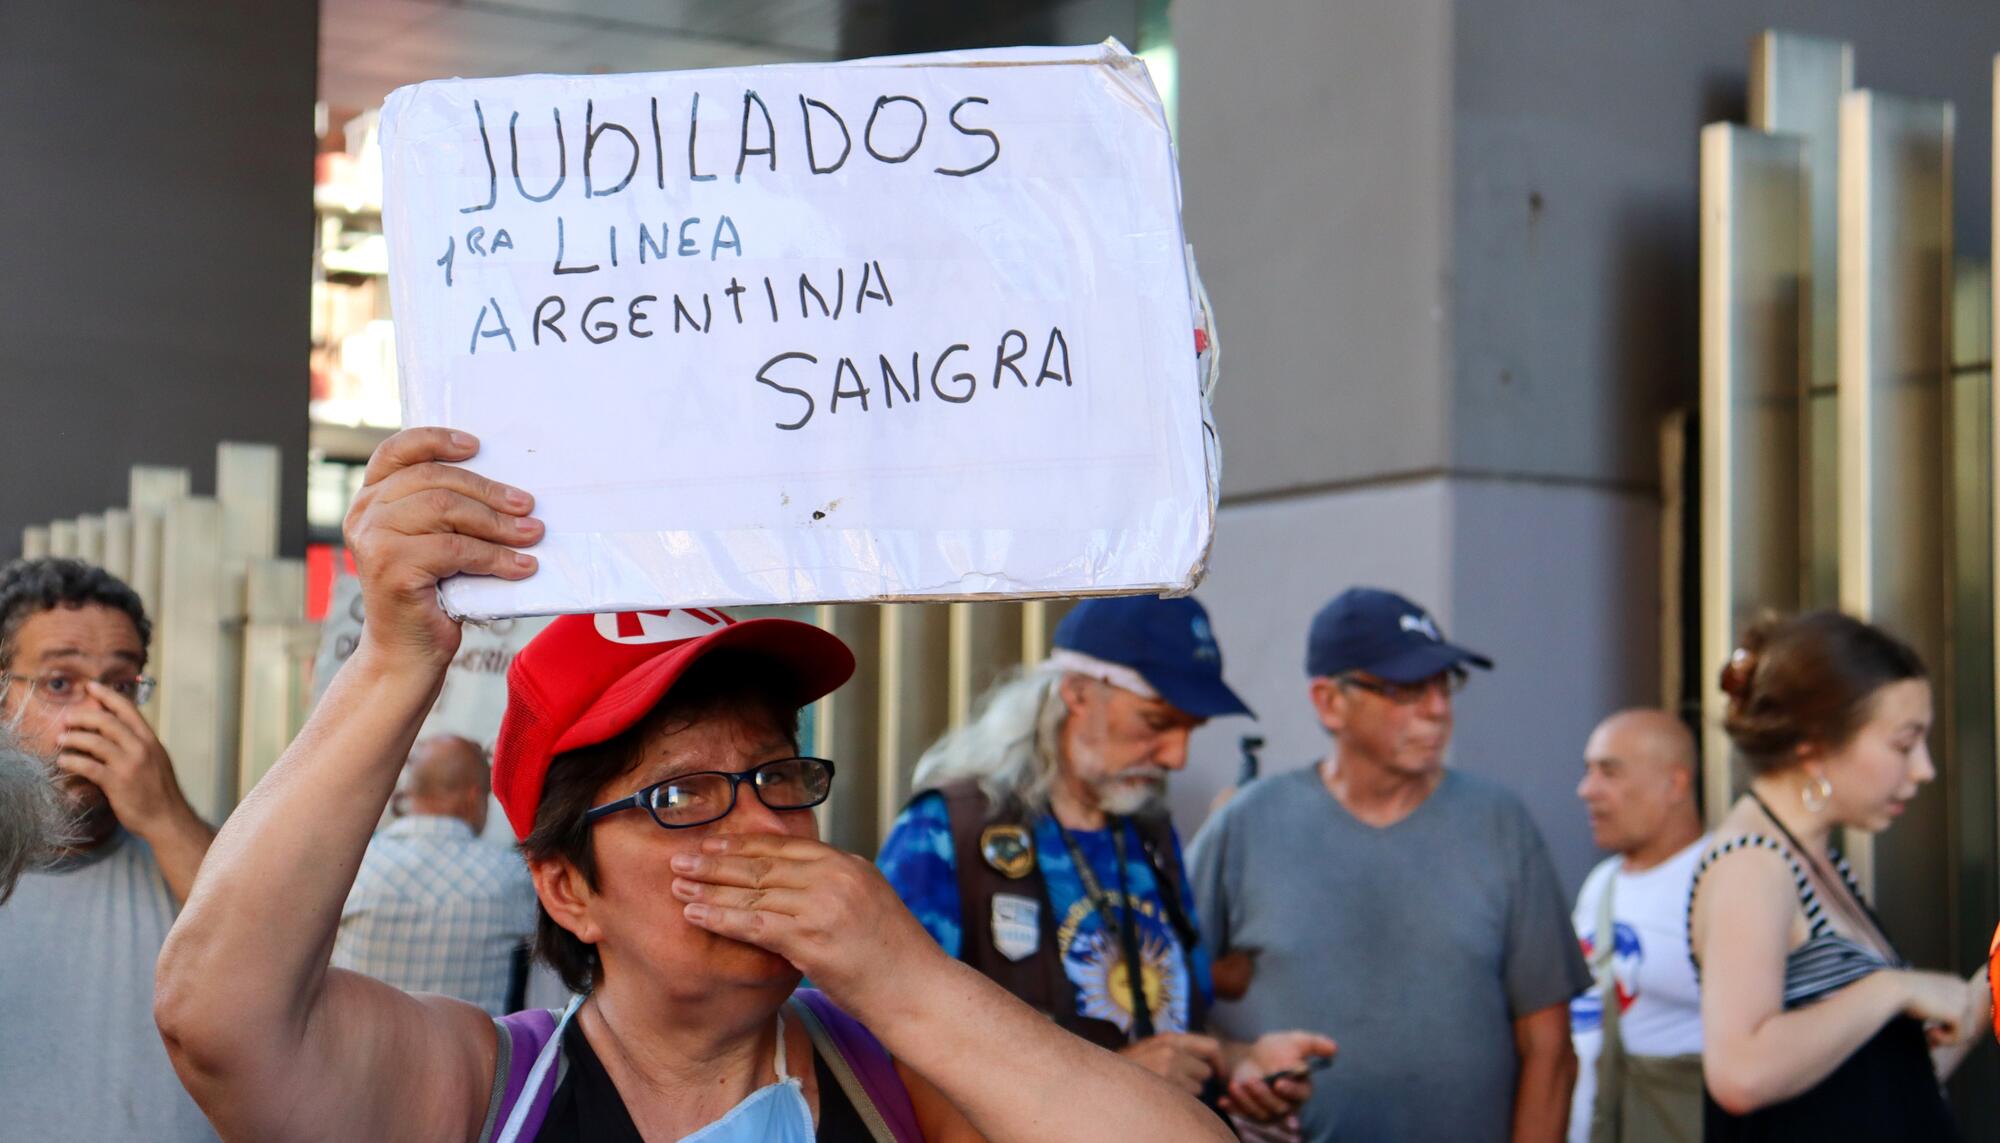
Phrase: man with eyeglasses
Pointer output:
(1412, 907)
(82, 1059)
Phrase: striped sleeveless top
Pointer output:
(1827, 962)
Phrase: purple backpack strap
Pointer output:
(868, 1063)
(523, 1035)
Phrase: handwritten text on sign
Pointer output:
(803, 333)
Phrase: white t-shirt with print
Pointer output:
(1659, 1010)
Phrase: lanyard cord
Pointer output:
(1120, 921)
(1176, 915)
(1866, 909)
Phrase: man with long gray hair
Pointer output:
(1037, 849)
(32, 823)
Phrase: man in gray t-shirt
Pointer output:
(1410, 911)
(80, 1058)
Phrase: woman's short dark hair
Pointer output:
(725, 681)
(1809, 679)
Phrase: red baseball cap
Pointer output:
(588, 678)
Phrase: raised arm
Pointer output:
(272, 1043)
(1756, 1053)
(1008, 1070)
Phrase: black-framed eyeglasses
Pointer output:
(687, 800)
(1448, 683)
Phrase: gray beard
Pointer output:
(1124, 799)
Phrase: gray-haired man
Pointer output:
(1036, 849)
(1412, 907)
(79, 939)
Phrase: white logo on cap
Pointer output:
(1204, 638)
(657, 626)
(1422, 625)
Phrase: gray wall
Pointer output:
(1315, 153)
(1574, 319)
(157, 236)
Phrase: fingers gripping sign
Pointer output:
(420, 518)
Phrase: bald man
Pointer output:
(1637, 1032)
(433, 908)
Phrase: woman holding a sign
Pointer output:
(649, 763)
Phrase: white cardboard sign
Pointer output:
(905, 328)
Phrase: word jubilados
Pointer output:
(895, 130)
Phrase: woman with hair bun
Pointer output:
(1815, 1028)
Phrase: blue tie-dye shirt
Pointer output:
(918, 860)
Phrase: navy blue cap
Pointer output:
(1168, 641)
(1368, 629)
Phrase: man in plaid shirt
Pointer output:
(435, 909)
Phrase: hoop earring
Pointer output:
(1817, 795)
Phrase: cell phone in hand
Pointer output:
(1303, 1071)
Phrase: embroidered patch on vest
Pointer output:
(1009, 849)
(1017, 925)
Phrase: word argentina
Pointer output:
(610, 155)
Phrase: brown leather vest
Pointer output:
(1039, 979)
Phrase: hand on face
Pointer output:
(108, 744)
(831, 914)
(418, 520)
(107, 763)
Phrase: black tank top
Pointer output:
(587, 1108)
(1887, 1091)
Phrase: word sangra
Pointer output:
(896, 128)
(844, 382)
